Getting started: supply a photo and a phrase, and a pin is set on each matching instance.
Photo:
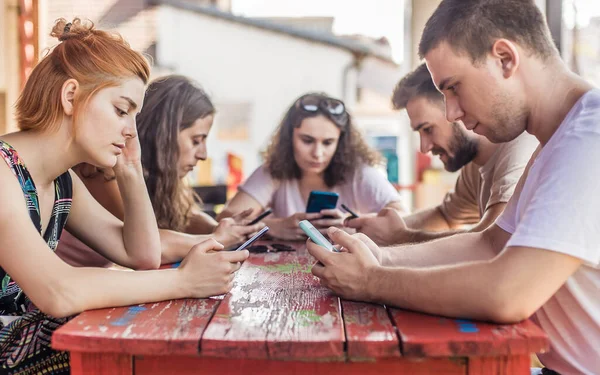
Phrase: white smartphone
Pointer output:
(316, 236)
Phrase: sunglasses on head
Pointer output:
(334, 107)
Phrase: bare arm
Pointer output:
(61, 290)
(174, 245)
(103, 187)
(396, 205)
(408, 235)
(134, 242)
(200, 222)
(430, 219)
(460, 248)
(502, 289)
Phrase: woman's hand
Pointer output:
(288, 228)
(330, 218)
(233, 230)
(207, 271)
(131, 155)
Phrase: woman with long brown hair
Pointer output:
(316, 147)
(79, 106)
(172, 128)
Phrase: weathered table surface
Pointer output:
(279, 319)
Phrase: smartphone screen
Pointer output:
(252, 239)
(321, 200)
(261, 216)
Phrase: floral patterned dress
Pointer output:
(25, 341)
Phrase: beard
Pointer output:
(461, 146)
(507, 126)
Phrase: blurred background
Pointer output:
(255, 57)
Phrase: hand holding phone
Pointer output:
(316, 236)
(250, 241)
(261, 216)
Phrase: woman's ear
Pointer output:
(507, 54)
(67, 94)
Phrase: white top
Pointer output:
(368, 190)
(558, 208)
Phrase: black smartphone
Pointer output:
(250, 240)
(321, 200)
(353, 215)
(261, 216)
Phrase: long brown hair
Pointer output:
(95, 58)
(172, 104)
(351, 152)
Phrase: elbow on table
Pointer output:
(507, 310)
(150, 261)
(58, 303)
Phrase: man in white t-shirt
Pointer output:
(500, 74)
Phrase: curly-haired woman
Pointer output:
(316, 147)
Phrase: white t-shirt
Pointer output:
(366, 191)
(558, 208)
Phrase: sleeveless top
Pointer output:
(25, 341)
(10, 292)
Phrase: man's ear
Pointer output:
(507, 55)
(67, 94)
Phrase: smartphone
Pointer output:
(353, 215)
(321, 200)
(316, 236)
(250, 241)
(261, 216)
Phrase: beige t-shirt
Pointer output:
(479, 188)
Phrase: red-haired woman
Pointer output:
(79, 106)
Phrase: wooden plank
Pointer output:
(369, 332)
(101, 364)
(175, 365)
(433, 336)
(170, 327)
(277, 310)
(514, 365)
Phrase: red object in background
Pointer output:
(235, 175)
(28, 41)
(423, 163)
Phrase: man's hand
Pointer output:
(330, 218)
(346, 273)
(288, 228)
(387, 228)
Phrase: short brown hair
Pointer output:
(471, 26)
(95, 58)
(417, 83)
(352, 149)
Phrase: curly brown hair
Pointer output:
(352, 149)
(172, 104)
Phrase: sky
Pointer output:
(373, 18)
(586, 9)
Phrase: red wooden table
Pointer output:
(278, 319)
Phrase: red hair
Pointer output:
(94, 58)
